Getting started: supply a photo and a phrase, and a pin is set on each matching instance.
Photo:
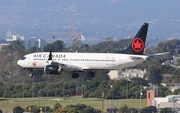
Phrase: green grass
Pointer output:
(7, 104)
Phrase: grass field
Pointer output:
(7, 104)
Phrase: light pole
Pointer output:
(140, 103)
(23, 93)
(127, 92)
(56, 93)
(112, 93)
(23, 90)
(77, 92)
(112, 107)
(104, 96)
(126, 89)
(82, 90)
(33, 86)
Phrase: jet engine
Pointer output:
(51, 69)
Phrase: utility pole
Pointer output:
(23, 93)
(77, 92)
(33, 86)
(82, 85)
(11, 66)
(127, 89)
(140, 103)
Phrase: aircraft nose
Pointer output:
(19, 62)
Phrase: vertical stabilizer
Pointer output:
(137, 44)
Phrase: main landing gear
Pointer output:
(91, 74)
(76, 75)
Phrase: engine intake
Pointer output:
(51, 69)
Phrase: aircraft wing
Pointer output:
(67, 66)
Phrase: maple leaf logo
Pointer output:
(34, 63)
(137, 45)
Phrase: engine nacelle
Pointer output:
(51, 69)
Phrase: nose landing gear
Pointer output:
(30, 70)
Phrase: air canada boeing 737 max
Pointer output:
(57, 62)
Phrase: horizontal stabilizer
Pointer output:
(157, 54)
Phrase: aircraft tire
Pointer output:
(91, 74)
(75, 75)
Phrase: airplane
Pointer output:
(57, 62)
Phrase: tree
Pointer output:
(84, 47)
(89, 109)
(163, 91)
(66, 110)
(32, 50)
(176, 92)
(56, 46)
(15, 46)
(166, 110)
(18, 109)
(154, 74)
(10, 54)
(33, 108)
(59, 45)
(168, 46)
(56, 106)
(46, 108)
(124, 109)
(79, 108)
(4, 60)
(137, 80)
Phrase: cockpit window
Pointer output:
(23, 58)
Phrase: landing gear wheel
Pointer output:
(31, 72)
(91, 74)
(31, 75)
(75, 75)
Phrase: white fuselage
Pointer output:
(87, 61)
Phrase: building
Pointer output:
(175, 62)
(171, 86)
(150, 95)
(27, 42)
(33, 41)
(127, 73)
(8, 34)
(171, 101)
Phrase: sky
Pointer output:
(96, 18)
